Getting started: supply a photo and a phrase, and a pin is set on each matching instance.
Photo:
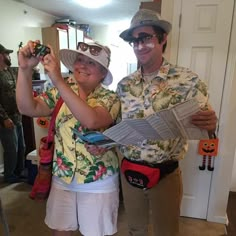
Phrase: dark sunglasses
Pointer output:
(143, 38)
(93, 49)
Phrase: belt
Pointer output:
(168, 167)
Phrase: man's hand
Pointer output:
(205, 120)
(8, 124)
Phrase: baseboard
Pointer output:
(218, 219)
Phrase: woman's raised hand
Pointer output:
(52, 66)
(26, 60)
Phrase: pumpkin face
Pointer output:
(208, 147)
(43, 122)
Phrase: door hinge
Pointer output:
(180, 20)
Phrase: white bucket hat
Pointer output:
(145, 17)
(69, 56)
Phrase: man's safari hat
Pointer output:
(145, 17)
(5, 50)
(68, 58)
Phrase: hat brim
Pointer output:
(68, 57)
(9, 51)
(165, 25)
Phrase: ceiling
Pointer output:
(118, 10)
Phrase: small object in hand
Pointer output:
(40, 50)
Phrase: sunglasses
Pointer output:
(144, 38)
(93, 49)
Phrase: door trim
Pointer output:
(175, 33)
(222, 176)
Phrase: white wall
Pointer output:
(233, 181)
(232, 134)
(20, 23)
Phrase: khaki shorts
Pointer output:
(95, 214)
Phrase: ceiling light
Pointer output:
(93, 3)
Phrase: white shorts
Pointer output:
(95, 214)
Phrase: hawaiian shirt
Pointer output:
(8, 106)
(139, 98)
(71, 158)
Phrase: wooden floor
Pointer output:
(231, 213)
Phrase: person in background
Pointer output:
(11, 130)
(85, 187)
(157, 85)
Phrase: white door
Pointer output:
(72, 38)
(203, 46)
(63, 44)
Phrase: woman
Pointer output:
(84, 190)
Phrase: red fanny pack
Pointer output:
(140, 175)
(145, 176)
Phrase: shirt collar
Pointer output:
(161, 74)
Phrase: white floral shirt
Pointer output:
(139, 98)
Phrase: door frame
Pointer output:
(222, 175)
(221, 179)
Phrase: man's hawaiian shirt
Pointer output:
(140, 98)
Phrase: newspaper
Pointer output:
(163, 125)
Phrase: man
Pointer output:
(156, 85)
(11, 130)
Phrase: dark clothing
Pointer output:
(8, 107)
(13, 151)
(12, 139)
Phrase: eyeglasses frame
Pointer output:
(142, 39)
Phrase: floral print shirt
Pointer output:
(70, 155)
(140, 98)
